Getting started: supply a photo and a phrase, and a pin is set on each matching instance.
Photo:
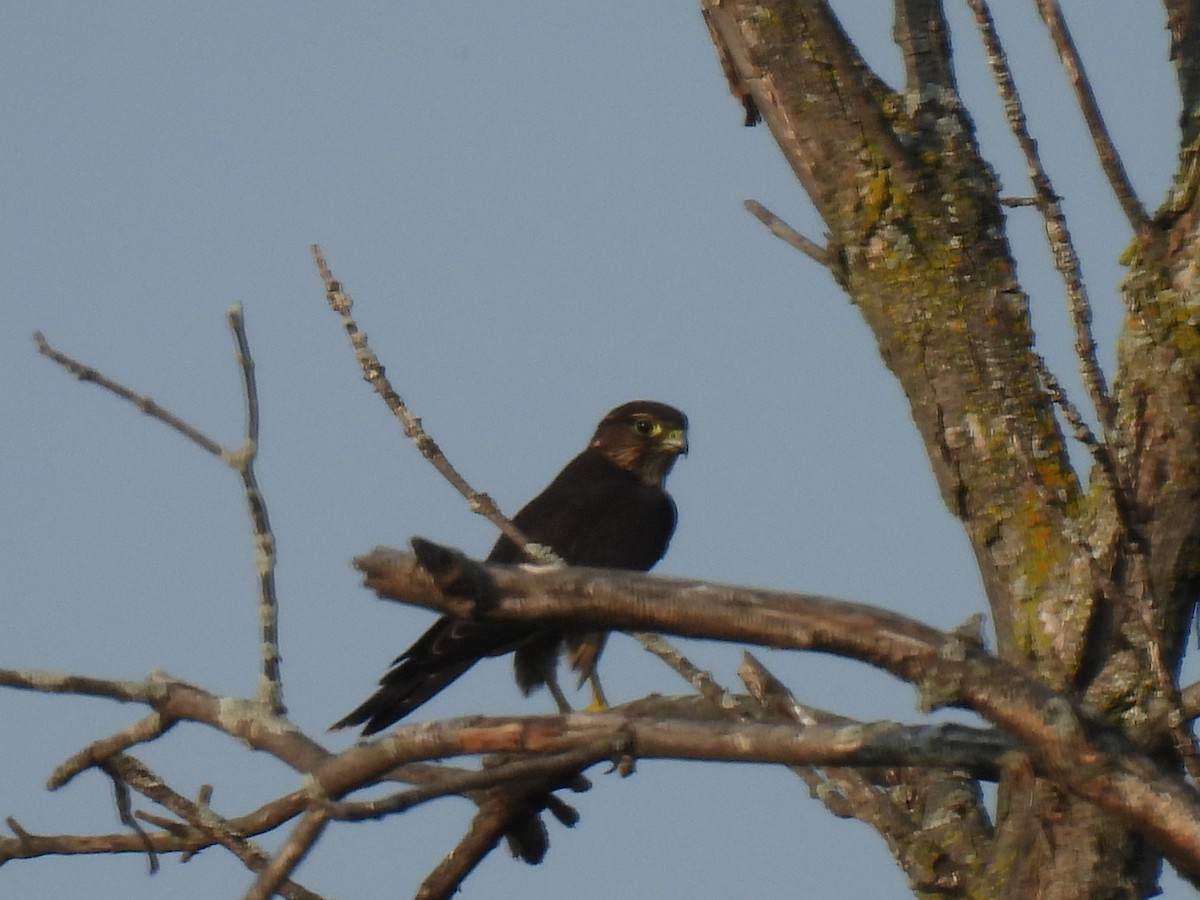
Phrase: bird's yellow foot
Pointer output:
(599, 701)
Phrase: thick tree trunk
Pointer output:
(1092, 590)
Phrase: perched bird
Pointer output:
(606, 509)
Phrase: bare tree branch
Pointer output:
(938, 848)
(1110, 160)
(788, 234)
(948, 669)
(135, 773)
(501, 772)
(175, 700)
(483, 836)
(241, 460)
(274, 873)
(176, 839)
(374, 374)
(141, 401)
(702, 682)
(514, 809)
(99, 753)
(1059, 237)
(270, 686)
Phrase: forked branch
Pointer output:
(241, 460)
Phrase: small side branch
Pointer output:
(141, 401)
(1110, 160)
(374, 375)
(98, 753)
(700, 680)
(788, 234)
(1059, 237)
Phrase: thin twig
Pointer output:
(125, 811)
(1082, 432)
(270, 685)
(141, 401)
(201, 817)
(99, 752)
(845, 792)
(702, 681)
(788, 234)
(243, 719)
(1066, 261)
(1110, 160)
(178, 838)
(374, 374)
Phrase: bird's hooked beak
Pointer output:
(676, 442)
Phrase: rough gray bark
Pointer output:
(1091, 589)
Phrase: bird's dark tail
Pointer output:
(401, 691)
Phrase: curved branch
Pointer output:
(1081, 755)
(179, 701)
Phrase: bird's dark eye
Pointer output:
(644, 426)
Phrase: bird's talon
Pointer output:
(623, 758)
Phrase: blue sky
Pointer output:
(538, 210)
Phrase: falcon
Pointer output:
(606, 509)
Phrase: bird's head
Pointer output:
(643, 437)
